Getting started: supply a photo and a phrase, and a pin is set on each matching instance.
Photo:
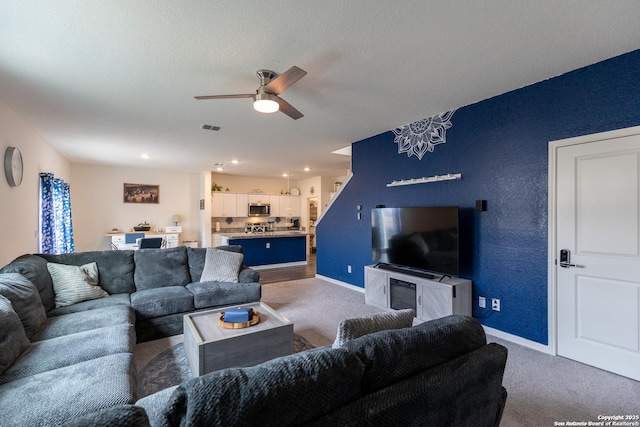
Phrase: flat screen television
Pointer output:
(417, 239)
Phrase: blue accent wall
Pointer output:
(500, 145)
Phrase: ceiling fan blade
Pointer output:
(289, 110)
(284, 80)
(239, 95)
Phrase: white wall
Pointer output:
(19, 205)
(96, 194)
(97, 202)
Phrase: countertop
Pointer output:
(266, 234)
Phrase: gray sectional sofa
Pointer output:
(58, 363)
(439, 373)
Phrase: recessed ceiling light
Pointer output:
(285, 175)
(145, 156)
(219, 169)
(235, 162)
(307, 169)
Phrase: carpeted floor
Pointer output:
(542, 389)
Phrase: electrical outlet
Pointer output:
(349, 269)
(482, 302)
(495, 304)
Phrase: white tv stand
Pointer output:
(434, 298)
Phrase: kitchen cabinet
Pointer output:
(242, 203)
(258, 198)
(272, 250)
(225, 204)
(218, 240)
(274, 201)
(289, 206)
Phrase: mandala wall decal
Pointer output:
(420, 137)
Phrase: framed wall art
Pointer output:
(141, 193)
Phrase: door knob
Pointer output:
(565, 259)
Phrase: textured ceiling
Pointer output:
(106, 81)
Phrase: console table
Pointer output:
(433, 298)
(119, 239)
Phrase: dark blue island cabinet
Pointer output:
(272, 249)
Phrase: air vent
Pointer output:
(211, 127)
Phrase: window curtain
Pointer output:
(56, 230)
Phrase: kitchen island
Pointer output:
(269, 249)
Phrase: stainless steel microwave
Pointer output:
(259, 209)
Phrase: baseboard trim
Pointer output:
(489, 331)
(339, 283)
(517, 340)
(284, 264)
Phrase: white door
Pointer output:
(598, 288)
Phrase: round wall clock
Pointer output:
(13, 166)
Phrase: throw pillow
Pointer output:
(351, 329)
(13, 340)
(221, 266)
(73, 284)
(25, 300)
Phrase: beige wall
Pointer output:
(97, 202)
(19, 205)
(246, 184)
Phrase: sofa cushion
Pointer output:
(115, 299)
(154, 404)
(393, 355)
(197, 257)
(73, 284)
(34, 268)
(54, 397)
(221, 266)
(117, 416)
(159, 327)
(54, 353)
(464, 391)
(13, 340)
(157, 302)
(25, 300)
(115, 268)
(73, 323)
(156, 268)
(350, 329)
(274, 393)
(248, 275)
(216, 294)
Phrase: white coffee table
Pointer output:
(209, 347)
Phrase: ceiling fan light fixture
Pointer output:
(266, 103)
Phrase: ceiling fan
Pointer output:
(266, 99)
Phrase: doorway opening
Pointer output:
(312, 209)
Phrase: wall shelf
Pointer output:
(435, 178)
